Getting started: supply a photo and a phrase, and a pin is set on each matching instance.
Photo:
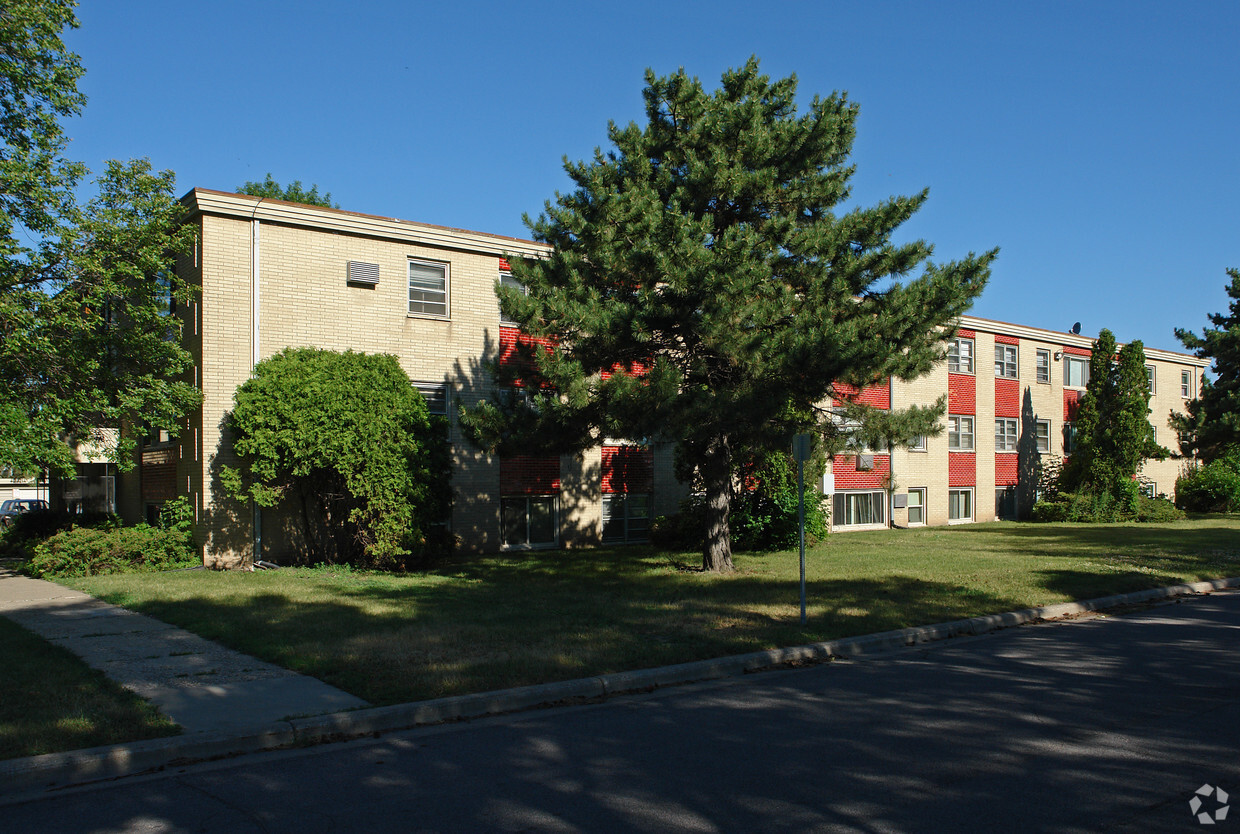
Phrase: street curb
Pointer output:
(31, 777)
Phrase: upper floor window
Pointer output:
(1069, 438)
(1186, 384)
(1149, 376)
(428, 288)
(1042, 435)
(960, 356)
(1075, 371)
(917, 444)
(1005, 361)
(1044, 365)
(1005, 435)
(506, 279)
(960, 433)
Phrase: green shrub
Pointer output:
(1105, 507)
(1213, 488)
(19, 540)
(90, 551)
(1155, 510)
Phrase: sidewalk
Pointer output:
(232, 704)
(200, 685)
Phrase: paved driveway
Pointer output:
(1107, 723)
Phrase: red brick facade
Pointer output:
(1007, 397)
(961, 394)
(847, 477)
(627, 469)
(529, 475)
(961, 469)
(1006, 469)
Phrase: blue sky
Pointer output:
(1096, 143)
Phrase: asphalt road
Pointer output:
(1107, 723)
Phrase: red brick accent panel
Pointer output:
(1001, 339)
(844, 467)
(966, 334)
(159, 482)
(877, 395)
(961, 394)
(503, 265)
(1007, 397)
(961, 469)
(528, 475)
(628, 469)
(1078, 351)
(1071, 404)
(1005, 469)
(630, 368)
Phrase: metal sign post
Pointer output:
(800, 451)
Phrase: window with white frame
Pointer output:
(1005, 435)
(848, 428)
(960, 356)
(1042, 435)
(1069, 438)
(1075, 371)
(859, 509)
(506, 279)
(436, 396)
(1005, 361)
(1150, 377)
(1149, 489)
(917, 505)
(528, 521)
(428, 288)
(917, 444)
(960, 433)
(1043, 365)
(1186, 384)
(960, 505)
(626, 518)
(1005, 503)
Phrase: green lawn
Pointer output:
(52, 701)
(490, 622)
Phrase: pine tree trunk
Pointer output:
(716, 471)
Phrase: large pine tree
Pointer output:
(1212, 424)
(701, 289)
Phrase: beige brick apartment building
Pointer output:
(276, 274)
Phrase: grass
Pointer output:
(52, 701)
(484, 623)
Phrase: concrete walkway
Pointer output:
(200, 685)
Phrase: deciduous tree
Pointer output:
(702, 288)
(86, 336)
(346, 436)
(294, 192)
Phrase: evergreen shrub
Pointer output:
(1212, 488)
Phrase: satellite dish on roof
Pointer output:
(1076, 329)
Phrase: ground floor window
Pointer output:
(851, 509)
(1149, 489)
(528, 521)
(917, 506)
(626, 518)
(960, 505)
(1005, 503)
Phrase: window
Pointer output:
(1005, 503)
(428, 289)
(1005, 435)
(1186, 384)
(1075, 371)
(848, 428)
(528, 521)
(917, 444)
(917, 506)
(960, 356)
(626, 518)
(960, 433)
(959, 505)
(1069, 438)
(1042, 435)
(1149, 489)
(853, 509)
(1044, 365)
(507, 280)
(1149, 375)
(1005, 361)
(436, 396)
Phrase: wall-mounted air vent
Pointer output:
(363, 274)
